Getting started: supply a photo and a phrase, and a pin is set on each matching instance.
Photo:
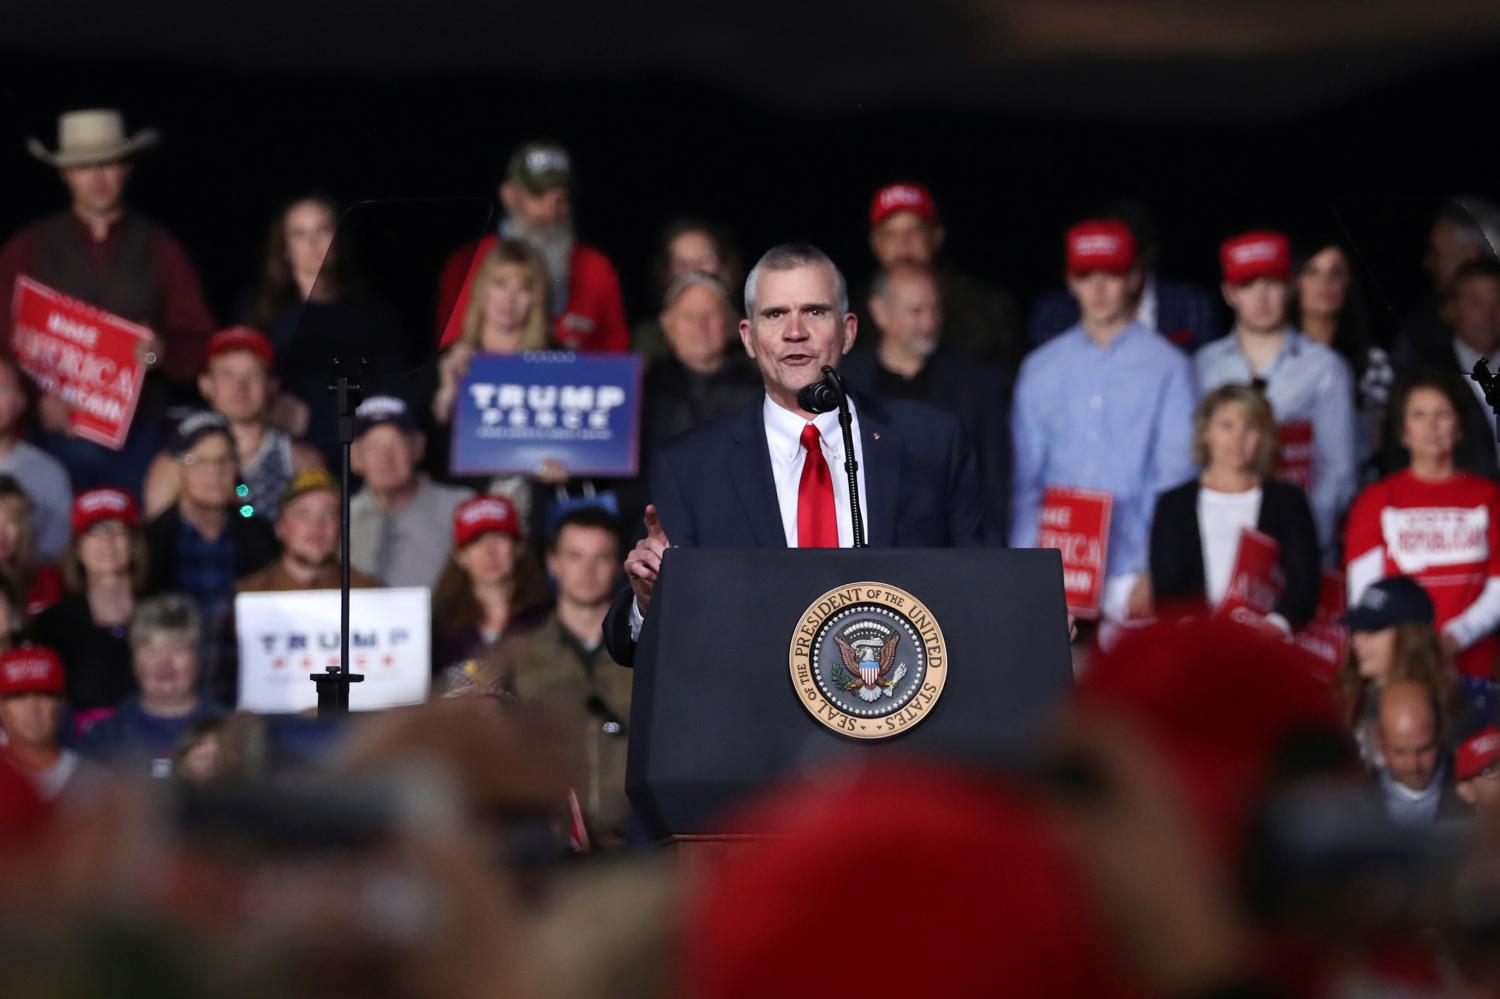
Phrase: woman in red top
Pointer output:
(1436, 523)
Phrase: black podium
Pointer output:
(721, 707)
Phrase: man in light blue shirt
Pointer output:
(1309, 386)
(1108, 406)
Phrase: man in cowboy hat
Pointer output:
(99, 251)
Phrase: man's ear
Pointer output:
(747, 338)
(851, 331)
(1466, 791)
(203, 383)
(1227, 290)
(418, 447)
(938, 235)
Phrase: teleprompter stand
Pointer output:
(333, 683)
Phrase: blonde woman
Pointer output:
(506, 314)
(1196, 530)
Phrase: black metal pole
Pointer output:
(333, 684)
(851, 464)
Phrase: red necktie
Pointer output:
(817, 524)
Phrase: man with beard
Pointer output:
(308, 529)
(588, 313)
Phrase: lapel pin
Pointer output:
(875, 434)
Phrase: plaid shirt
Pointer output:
(205, 571)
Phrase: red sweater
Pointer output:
(1446, 535)
(594, 320)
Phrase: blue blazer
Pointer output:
(713, 488)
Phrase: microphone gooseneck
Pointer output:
(823, 396)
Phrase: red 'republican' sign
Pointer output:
(82, 355)
(1294, 460)
(1255, 583)
(1076, 523)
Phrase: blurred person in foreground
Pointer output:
(1106, 406)
(141, 735)
(1114, 869)
(1413, 780)
(105, 569)
(101, 252)
(1183, 313)
(1329, 306)
(980, 320)
(308, 529)
(1476, 773)
(1437, 523)
(238, 384)
(1464, 229)
(912, 360)
(400, 523)
(41, 475)
(688, 246)
(1309, 386)
(588, 313)
(1197, 528)
(489, 587)
(563, 661)
(40, 584)
(32, 690)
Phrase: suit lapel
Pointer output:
(882, 471)
(749, 462)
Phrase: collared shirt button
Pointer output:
(1096, 401)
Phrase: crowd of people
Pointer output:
(1272, 404)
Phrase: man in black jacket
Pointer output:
(911, 361)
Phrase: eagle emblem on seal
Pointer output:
(865, 666)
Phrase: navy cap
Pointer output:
(1397, 600)
(379, 409)
(196, 426)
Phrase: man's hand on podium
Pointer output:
(644, 560)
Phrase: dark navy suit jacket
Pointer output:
(713, 488)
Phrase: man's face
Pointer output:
(1476, 313)
(1411, 751)
(209, 471)
(585, 563)
(167, 666)
(550, 207)
(697, 328)
(12, 398)
(97, 190)
(236, 385)
(906, 238)
(385, 456)
(1259, 306)
(796, 330)
(308, 528)
(909, 314)
(31, 721)
(1102, 297)
(1447, 251)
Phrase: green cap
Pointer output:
(540, 166)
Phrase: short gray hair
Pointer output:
(685, 281)
(169, 613)
(789, 257)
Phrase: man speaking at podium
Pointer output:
(771, 474)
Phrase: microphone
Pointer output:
(823, 395)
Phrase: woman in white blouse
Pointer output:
(1198, 527)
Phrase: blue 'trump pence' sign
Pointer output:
(515, 410)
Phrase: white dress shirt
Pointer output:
(784, 441)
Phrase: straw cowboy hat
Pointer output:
(86, 138)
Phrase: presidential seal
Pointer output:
(868, 660)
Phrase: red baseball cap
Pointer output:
(239, 338)
(482, 514)
(1254, 255)
(895, 198)
(1477, 753)
(105, 503)
(33, 669)
(1100, 245)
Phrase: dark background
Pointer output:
(776, 142)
